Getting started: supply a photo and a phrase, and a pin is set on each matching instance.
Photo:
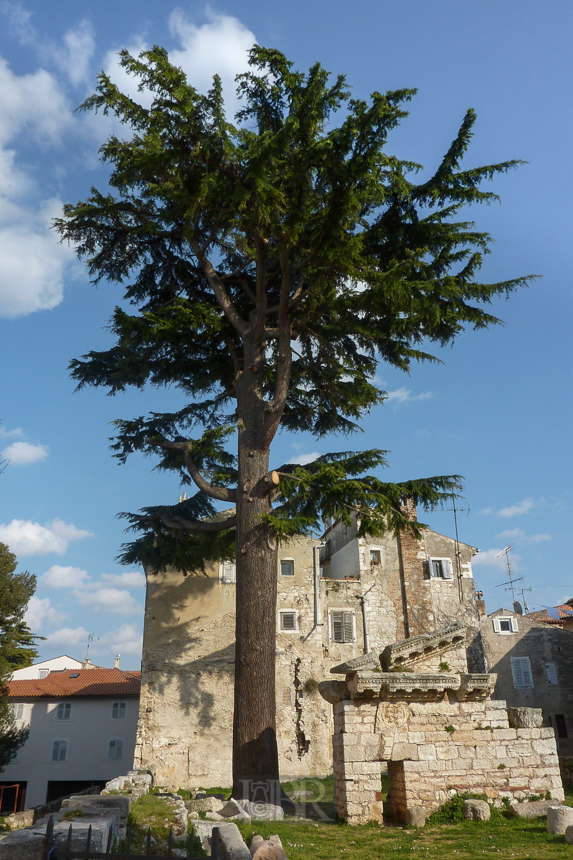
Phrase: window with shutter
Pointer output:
(441, 568)
(227, 571)
(18, 711)
(64, 711)
(551, 670)
(118, 710)
(115, 750)
(521, 671)
(59, 750)
(287, 567)
(287, 621)
(341, 626)
(503, 624)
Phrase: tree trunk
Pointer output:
(255, 753)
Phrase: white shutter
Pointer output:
(514, 627)
(348, 626)
(447, 568)
(18, 711)
(288, 621)
(59, 750)
(496, 627)
(115, 750)
(228, 571)
(337, 628)
(551, 670)
(521, 669)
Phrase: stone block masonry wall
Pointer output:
(432, 749)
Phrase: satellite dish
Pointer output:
(517, 607)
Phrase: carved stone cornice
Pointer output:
(476, 686)
(417, 648)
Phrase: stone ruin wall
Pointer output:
(428, 761)
(186, 707)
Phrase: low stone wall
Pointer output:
(434, 749)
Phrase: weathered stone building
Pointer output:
(534, 666)
(336, 600)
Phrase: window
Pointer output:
(287, 621)
(227, 571)
(504, 624)
(59, 751)
(551, 670)
(118, 711)
(374, 557)
(43, 673)
(287, 566)
(18, 711)
(561, 726)
(441, 568)
(521, 671)
(342, 626)
(115, 750)
(64, 711)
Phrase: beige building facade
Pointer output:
(337, 599)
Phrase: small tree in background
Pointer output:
(270, 267)
(17, 645)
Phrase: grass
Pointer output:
(319, 835)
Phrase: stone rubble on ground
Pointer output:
(267, 849)
(559, 818)
(476, 810)
(532, 808)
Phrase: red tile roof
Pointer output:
(543, 616)
(87, 683)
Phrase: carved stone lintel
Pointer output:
(365, 662)
(417, 648)
(476, 686)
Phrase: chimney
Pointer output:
(87, 664)
(117, 662)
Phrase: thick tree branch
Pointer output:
(222, 494)
(182, 524)
(219, 290)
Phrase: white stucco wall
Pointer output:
(88, 732)
(56, 664)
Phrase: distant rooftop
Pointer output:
(84, 683)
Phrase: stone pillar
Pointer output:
(357, 770)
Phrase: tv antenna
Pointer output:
(90, 640)
(522, 592)
(511, 578)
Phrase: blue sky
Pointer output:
(498, 410)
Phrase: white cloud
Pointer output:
(219, 46)
(519, 536)
(75, 56)
(304, 459)
(404, 395)
(7, 434)
(126, 639)
(131, 579)
(67, 636)
(491, 558)
(516, 510)
(38, 611)
(64, 577)
(34, 105)
(116, 600)
(23, 453)
(26, 538)
(32, 262)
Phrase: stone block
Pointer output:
(446, 752)
(569, 834)
(525, 718)
(559, 818)
(504, 735)
(403, 751)
(415, 816)
(476, 810)
(427, 752)
(263, 811)
(544, 746)
(547, 732)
